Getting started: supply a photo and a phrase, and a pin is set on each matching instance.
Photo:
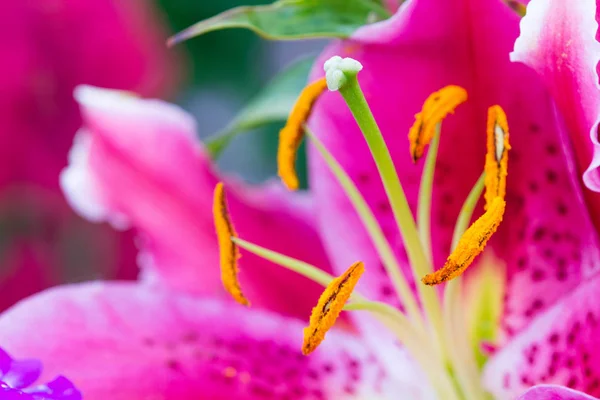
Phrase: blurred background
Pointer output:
(53, 45)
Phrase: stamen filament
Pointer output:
(374, 230)
(483, 304)
(307, 270)
(413, 341)
(419, 262)
(330, 305)
(466, 212)
(292, 133)
(461, 352)
(229, 253)
(468, 243)
(383, 309)
(426, 131)
(425, 191)
(317, 275)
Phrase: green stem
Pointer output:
(466, 212)
(419, 262)
(300, 267)
(388, 311)
(425, 191)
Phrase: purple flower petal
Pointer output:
(18, 375)
(5, 362)
(58, 389)
(7, 393)
(22, 373)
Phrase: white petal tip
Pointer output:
(80, 189)
(87, 95)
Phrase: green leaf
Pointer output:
(293, 19)
(272, 104)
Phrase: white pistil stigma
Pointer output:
(337, 70)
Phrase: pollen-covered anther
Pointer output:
(292, 133)
(329, 306)
(436, 107)
(470, 245)
(496, 160)
(228, 251)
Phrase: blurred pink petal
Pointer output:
(124, 341)
(54, 46)
(137, 162)
(51, 47)
(44, 244)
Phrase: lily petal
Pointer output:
(137, 162)
(552, 392)
(425, 46)
(559, 347)
(559, 41)
(156, 343)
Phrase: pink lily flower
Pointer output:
(549, 236)
(50, 48)
(136, 162)
(170, 335)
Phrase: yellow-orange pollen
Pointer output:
(292, 133)
(437, 106)
(474, 240)
(496, 159)
(470, 245)
(228, 251)
(329, 306)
